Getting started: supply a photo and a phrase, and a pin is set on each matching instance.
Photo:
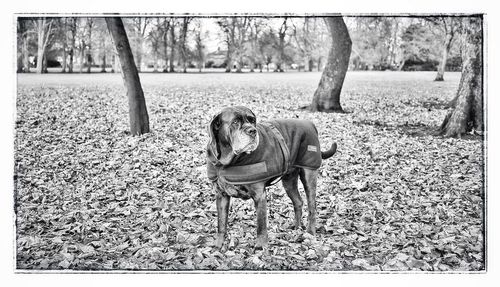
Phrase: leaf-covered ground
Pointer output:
(88, 196)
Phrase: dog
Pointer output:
(244, 157)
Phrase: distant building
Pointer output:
(216, 59)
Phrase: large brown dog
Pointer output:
(244, 157)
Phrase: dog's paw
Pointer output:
(261, 242)
(219, 241)
(294, 226)
(311, 230)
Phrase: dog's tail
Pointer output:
(330, 152)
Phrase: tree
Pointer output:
(253, 46)
(23, 39)
(65, 44)
(199, 38)
(173, 44)
(467, 113)
(280, 45)
(72, 23)
(242, 30)
(139, 119)
(228, 27)
(183, 49)
(448, 26)
(89, 60)
(266, 44)
(165, 29)
(101, 43)
(139, 27)
(304, 40)
(82, 41)
(44, 29)
(327, 95)
(375, 42)
(155, 37)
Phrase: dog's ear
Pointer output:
(213, 132)
(219, 149)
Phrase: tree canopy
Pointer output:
(235, 43)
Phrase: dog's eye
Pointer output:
(235, 122)
(251, 120)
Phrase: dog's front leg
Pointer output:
(222, 202)
(259, 197)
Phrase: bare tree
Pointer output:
(72, 23)
(327, 95)
(165, 30)
(199, 38)
(467, 113)
(254, 45)
(155, 37)
(81, 35)
(448, 26)
(23, 38)
(304, 39)
(280, 45)
(139, 119)
(183, 49)
(44, 29)
(173, 44)
(139, 27)
(228, 27)
(90, 25)
(65, 44)
(242, 31)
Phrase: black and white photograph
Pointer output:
(250, 143)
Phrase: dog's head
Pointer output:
(232, 132)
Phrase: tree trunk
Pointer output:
(89, 55)
(44, 65)
(89, 61)
(20, 63)
(70, 62)
(65, 45)
(139, 55)
(40, 47)
(239, 64)
(155, 61)
(82, 56)
(467, 114)
(228, 61)
(166, 27)
(139, 120)
(103, 64)
(71, 51)
(64, 63)
(26, 55)
(172, 49)
(43, 39)
(444, 58)
(327, 96)
(182, 44)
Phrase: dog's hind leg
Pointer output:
(290, 181)
(308, 177)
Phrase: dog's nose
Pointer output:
(252, 132)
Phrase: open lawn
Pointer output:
(88, 196)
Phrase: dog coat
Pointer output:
(282, 144)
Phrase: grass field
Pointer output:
(91, 197)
